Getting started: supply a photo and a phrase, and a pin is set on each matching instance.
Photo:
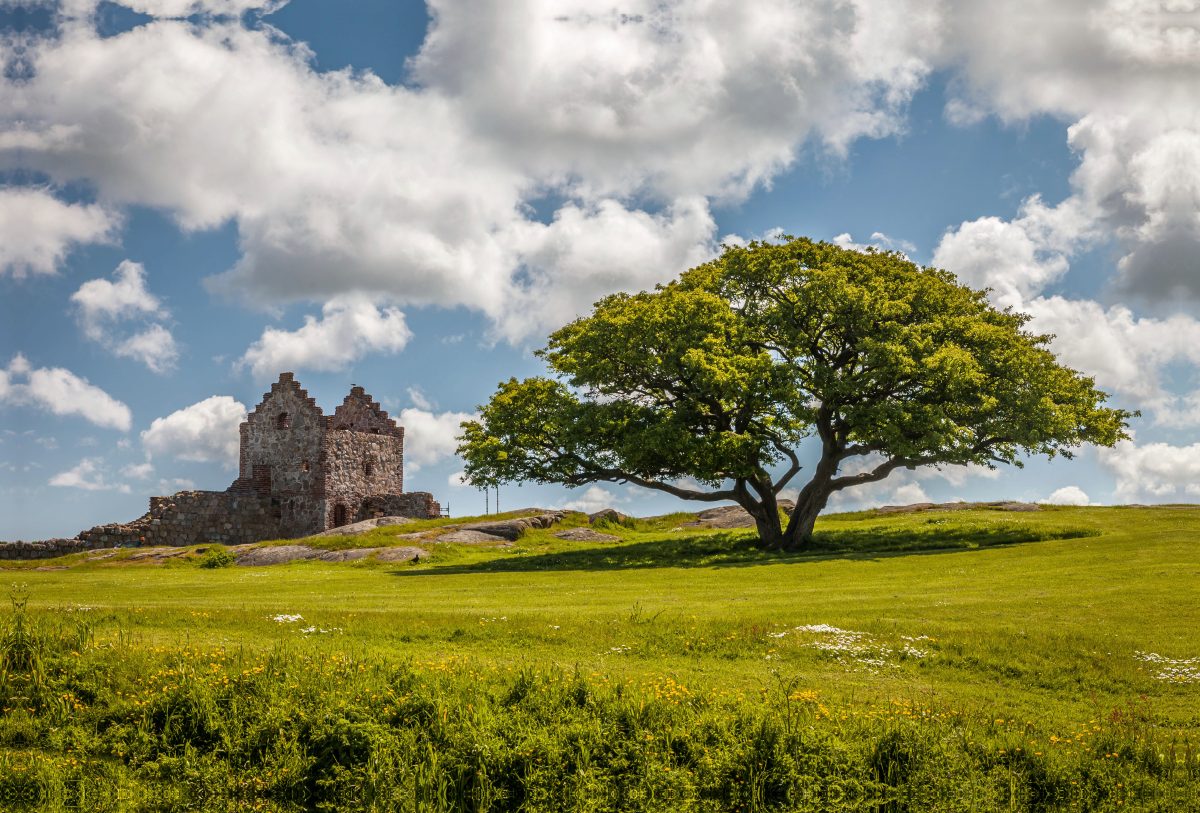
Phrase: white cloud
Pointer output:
(139, 471)
(101, 305)
(87, 475)
(61, 392)
(205, 432)
(1020, 257)
(593, 500)
(188, 8)
(1125, 73)
(49, 444)
(155, 347)
(1128, 355)
(956, 475)
(1068, 495)
(99, 300)
(430, 438)
(37, 230)
(419, 398)
(457, 480)
(338, 182)
(879, 240)
(175, 484)
(909, 494)
(901, 487)
(1156, 472)
(350, 327)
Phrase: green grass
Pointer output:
(982, 638)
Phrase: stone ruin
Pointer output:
(300, 472)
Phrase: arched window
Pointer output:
(339, 515)
(304, 465)
(282, 421)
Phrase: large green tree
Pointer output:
(721, 375)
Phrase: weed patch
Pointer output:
(217, 556)
(315, 727)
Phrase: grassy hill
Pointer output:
(969, 660)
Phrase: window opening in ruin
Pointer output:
(369, 468)
(282, 421)
(304, 466)
(339, 515)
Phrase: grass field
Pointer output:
(966, 660)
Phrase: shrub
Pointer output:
(217, 556)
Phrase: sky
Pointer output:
(196, 195)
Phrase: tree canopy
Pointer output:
(720, 375)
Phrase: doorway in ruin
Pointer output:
(339, 515)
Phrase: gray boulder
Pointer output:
(731, 516)
(277, 555)
(281, 554)
(363, 527)
(1002, 505)
(610, 514)
(510, 529)
(585, 535)
(470, 537)
(351, 555)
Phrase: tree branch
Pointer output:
(616, 476)
(790, 473)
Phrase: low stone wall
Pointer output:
(48, 549)
(208, 517)
(192, 518)
(414, 505)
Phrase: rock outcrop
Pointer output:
(585, 535)
(728, 517)
(510, 529)
(363, 527)
(1003, 505)
(282, 554)
(609, 514)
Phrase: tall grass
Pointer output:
(100, 720)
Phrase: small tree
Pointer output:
(720, 375)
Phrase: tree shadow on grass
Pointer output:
(734, 549)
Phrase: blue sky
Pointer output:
(199, 195)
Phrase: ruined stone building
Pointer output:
(300, 472)
(322, 471)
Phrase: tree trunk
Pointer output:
(804, 518)
(765, 513)
(809, 504)
(770, 530)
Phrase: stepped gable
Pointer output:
(359, 412)
(287, 381)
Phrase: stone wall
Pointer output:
(283, 456)
(358, 413)
(43, 550)
(193, 518)
(207, 517)
(414, 505)
(357, 466)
